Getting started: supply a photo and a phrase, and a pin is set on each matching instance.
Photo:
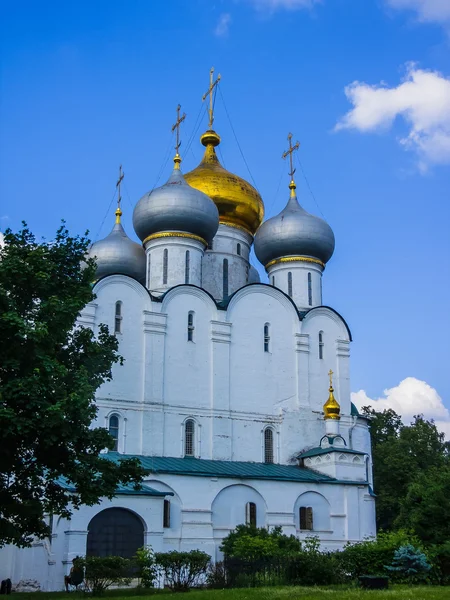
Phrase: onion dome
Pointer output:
(331, 407)
(176, 207)
(294, 233)
(116, 254)
(253, 275)
(239, 203)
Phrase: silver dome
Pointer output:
(294, 232)
(253, 275)
(117, 254)
(176, 206)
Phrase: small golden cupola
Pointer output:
(239, 203)
(331, 407)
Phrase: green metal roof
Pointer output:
(122, 490)
(354, 411)
(231, 469)
(317, 451)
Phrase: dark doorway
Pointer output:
(115, 532)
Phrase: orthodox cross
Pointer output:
(118, 212)
(330, 375)
(177, 127)
(212, 85)
(290, 153)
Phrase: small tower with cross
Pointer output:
(331, 409)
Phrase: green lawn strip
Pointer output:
(397, 592)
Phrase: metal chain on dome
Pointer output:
(198, 122)
(106, 214)
(309, 187)
(237, 141)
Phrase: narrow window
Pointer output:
(166, 516)
(273, 280)
(165, 265)
(266, 337)
(225, 278)
(321, 291)
(118, 318)
(268, 445)
(250, 514)
(210, 245)
(189, 438)
(114, 430)
(306, 518)
(238, 249)
(321, 345)
(191, 327)
(290, 284)
(186, 266)
(149, 262)
(309, 289)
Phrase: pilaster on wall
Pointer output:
(343, 374)
(155, 326)
(302, 351)
(221, 430)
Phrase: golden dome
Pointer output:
(331, 407)
(239, 204)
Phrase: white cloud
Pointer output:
(273, 5)
(223, 25)
(410, 397)
(433, 11)
(422, 99)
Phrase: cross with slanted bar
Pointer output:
(290, 153)
(212, 85)
(177, 126)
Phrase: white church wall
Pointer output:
(335, 352)
(321, 512)
(293, 279)
(166, 262)
(260, 380)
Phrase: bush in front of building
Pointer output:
(409, 563)
(183, 570)
(146, 569)
(257, 543)
(101, 572)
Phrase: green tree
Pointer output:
(400, 454)
(426, 507)
(49, 372)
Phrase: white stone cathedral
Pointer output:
(225, 394)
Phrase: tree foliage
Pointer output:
(253, 543)
(409, 562)
(49, 373)
(401, 454)
(183, 570)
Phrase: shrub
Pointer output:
(258, 543)
(216, 577)
(100, 572)
(371, 556)
(409, 562)
(310, 566)
(146, 567)
(183, 570)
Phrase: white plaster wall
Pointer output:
(224, 246)
(176, 262)
(278, 277)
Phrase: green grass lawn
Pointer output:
(397, 592)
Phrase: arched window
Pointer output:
(114, 532)
(113, 429)
(210, 245)
(189, 435)
(266, 337)
(268, 445)
(190, 327)
(238, 249)
(118, 318)
(309, 289)
(306, 518)
(225, 278)
(273, 280)
(321, 345)
(290, 284)
(186, 266)
(165, 265)
(166, 516)
(250, 514)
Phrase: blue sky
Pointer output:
(86, 86)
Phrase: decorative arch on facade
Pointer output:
(269, 445)
(115, 532)
(190, 437)
(318, 514)
(265, 289)
(173, 507)
(232, 504)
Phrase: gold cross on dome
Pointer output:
(177, 127)
(290, 153)
(330, 375)
(212, 85)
